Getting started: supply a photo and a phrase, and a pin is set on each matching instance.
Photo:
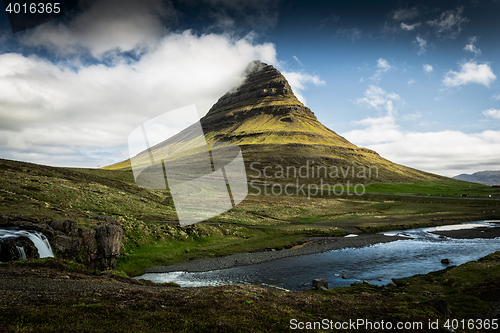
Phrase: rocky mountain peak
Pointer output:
(264, 90)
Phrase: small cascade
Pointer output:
(41, 242)
(22, 254)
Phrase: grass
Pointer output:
(465, 288)
(155, 244)
(42, 193)
(446, 188)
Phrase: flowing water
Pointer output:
(41, 242)
(421, 253)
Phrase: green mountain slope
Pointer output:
(275, 130)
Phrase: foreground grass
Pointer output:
(467, 290)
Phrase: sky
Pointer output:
(416, 81)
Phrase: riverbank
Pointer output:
(310, 246)
(51, 295)
(481, 232)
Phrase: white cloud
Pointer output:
(298, 82)
(378, 129)
(52, 114)
(382, 67)
(410, 27)
(404, 14)
(379, 99)
(80, 114)
(298, 61)
(106, 26)
(470, 72)
(428, 68)
(450, 23)
(411, 81)
(471, 47)
(493, 113)
(445, 152)
(421, 43)
(496, 96)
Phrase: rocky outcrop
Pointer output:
(97, 247)
(320, 284)
(17, 248)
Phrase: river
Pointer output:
(420, 253)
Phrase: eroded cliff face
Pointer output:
(97, 247)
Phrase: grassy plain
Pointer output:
(151, 236)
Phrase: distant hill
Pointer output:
(273, 128)
(481, 177)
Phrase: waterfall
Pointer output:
(41, 242)
(22, 254)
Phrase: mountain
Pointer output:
(278, 134)
(481, 177)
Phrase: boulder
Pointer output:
(320, 284)
(445, 261)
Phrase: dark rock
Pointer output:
(70, 228)
(441, 305)
(389, 286)
(10, 249)
(445, 261)
(97, 248)
(344, 277)
(67, 247)
(318, 284)
(109, 242)
(366, 282)
(89, 245)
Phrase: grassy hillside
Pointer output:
(43, 193)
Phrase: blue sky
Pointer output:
(417, 81)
